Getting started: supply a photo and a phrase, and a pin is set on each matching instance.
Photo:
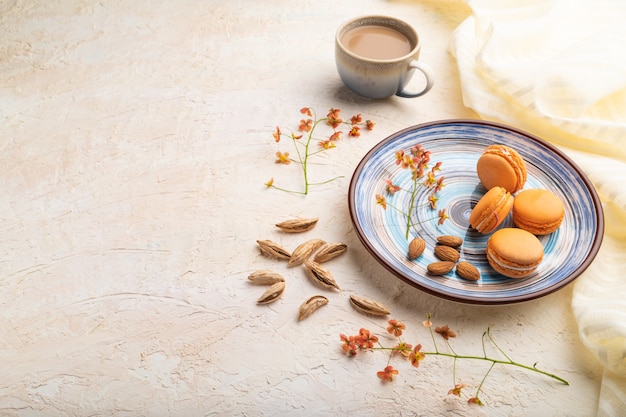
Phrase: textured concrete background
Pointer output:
(135, 141)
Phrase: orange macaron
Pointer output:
(491, 210)
(538, 211)
(501, 166)
(514, 253)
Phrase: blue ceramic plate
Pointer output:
(458, 144)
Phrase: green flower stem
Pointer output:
(305, 161)
(411, 207)
(485, 359)
(288, 191)
(328, 180)
(409, 224)
(488, 333)
(501, 362)
(484, 379)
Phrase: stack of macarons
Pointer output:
(513, 252)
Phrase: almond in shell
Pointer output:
(273, 293)
(265, 277)
(297, 225)
(320, 275)
(304, 251)
(330, 251)
(273, 250)
(368, 306)
(311, 305)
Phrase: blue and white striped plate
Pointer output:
(458, 144)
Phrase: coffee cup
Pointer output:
(376, 57)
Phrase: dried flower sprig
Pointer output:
(304, 147)
(416, 160)
(365, 340)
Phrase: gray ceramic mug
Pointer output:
(377, 77)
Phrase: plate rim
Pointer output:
(502, 300)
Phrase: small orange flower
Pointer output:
(305, 125)
(443, 216)
(439, 185)
(355, 132)
(296, 137)
(381, 201)
(432, 200)
(403, 348)
(327, 144)
(399, 157)
(475, 400)
(427, 323)
(387, 374)
(366, 339)
(283, 158)
(333, 113)
(270, 183)
(391, 188)
(416, 356)
(418, 171)
(457, 389)
(349, 344)
(445, 332)
(307, 111)
(369, 124)
(356, 119)
(335, 136)
(407, 162)
(276, 134)
(333, 118)
(430, 180)
(395, 327)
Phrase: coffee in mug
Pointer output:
(376, 42)
(376, 57)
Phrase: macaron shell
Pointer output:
(514, 253)
(538, 211)
(491, 210)
(502, 166)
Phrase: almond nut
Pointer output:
(416, 247)
(440, 268)
(467, 271)
(452, 241)
(446, 253)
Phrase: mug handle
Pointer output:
(428, 75)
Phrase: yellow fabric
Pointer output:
(557, 68)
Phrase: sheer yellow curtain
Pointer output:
(557, 68)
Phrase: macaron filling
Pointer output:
(503, 265)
